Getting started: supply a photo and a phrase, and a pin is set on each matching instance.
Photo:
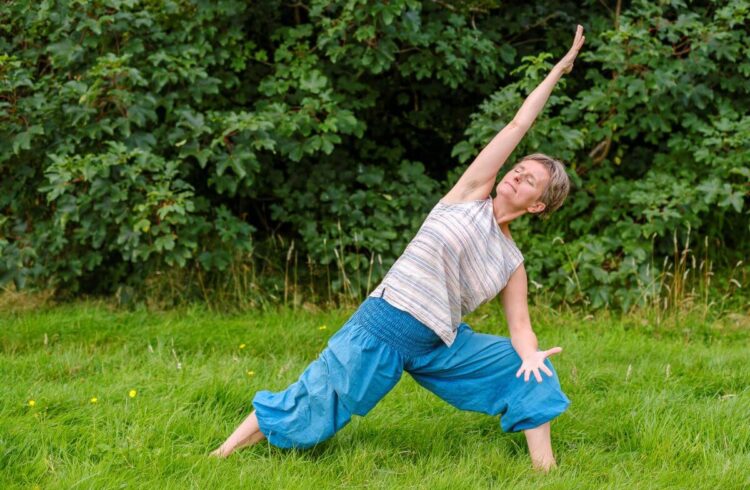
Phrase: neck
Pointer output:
(503, 214)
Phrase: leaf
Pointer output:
(735, 199)
(143, 225)
(313, 81)
(164, 242)
(22, 141)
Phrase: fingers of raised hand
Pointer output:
(546, 370)
(578, 40)
(579, 35)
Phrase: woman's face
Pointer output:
(523, 185)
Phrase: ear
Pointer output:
(537, 207)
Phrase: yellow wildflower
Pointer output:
(242, 346)
(132, 393)
(322, 327)
(94, 400)
(251, 373)
(32, 403)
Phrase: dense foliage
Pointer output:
(147, 135)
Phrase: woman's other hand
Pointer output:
(535, 362)
(565, 65)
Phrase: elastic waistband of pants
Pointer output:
(396, 327)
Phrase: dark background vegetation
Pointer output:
(249, 152)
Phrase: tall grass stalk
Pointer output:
(328, 272)
(346, 285)
(369, 271)
(295, 289)
(286, 272)
(581, 295)
(356, 268)
(311, 273)
(685, 283)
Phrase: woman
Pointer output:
(462, 256)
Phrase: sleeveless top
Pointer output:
(458, 260)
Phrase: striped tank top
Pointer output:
(458, 260)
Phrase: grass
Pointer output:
(662, 406)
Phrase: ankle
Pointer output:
(227, 449)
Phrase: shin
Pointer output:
(540, 447)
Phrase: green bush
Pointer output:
(143, 136)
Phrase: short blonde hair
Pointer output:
(558, 186)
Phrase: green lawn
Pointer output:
(653, 406)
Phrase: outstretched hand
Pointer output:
(535, 362)
(566, 63)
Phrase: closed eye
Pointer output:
(528, 179)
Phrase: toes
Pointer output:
(218, 453)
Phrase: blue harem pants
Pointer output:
(365, 359)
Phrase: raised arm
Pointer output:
(477, 180)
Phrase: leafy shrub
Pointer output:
(144, 136)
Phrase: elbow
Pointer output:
(519, 124)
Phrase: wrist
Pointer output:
(524, 341)
(557, 71)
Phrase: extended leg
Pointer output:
(540, 447)
(348, 378)
(246, 434)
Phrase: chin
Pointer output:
(506, 192)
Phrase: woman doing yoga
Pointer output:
(462, 256)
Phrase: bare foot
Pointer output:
(221, 452)
(247, 434)
(545, 465)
